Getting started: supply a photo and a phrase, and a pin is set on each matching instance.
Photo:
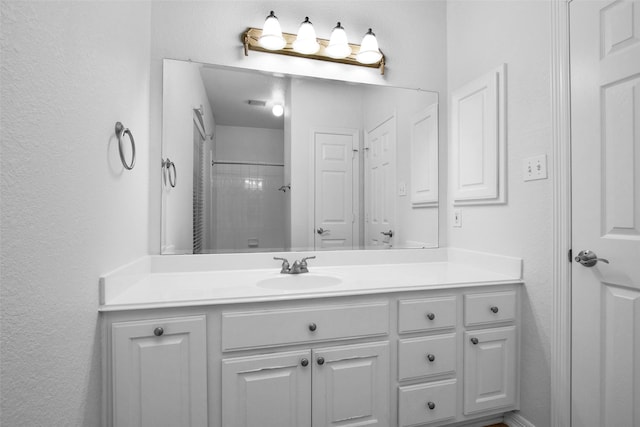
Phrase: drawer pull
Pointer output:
(158, 331)
(431, 316)
(304, 362)
(312, 327)
(474, 341)
(320, 360)
(494, 309)
(431, 357)
(431, 405)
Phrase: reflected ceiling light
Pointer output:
(277, 110)
(338, 47)
(369, 52)
(306, 42)
(271, 38)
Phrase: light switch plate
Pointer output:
(402, 189)
(534, 168)
(457, 218)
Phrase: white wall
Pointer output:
(482, 35)
(69, 211)
(183, 90)
(245, 144)
(214, 37)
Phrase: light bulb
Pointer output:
(277, 110)
(369, 51)
(338, 46)
(306, 42)
(271, 38)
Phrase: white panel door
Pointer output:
(160, 372)
(335, 163)
(490, 369)
(267, 390)
(605, 104)
(380, 183)
(351, 385)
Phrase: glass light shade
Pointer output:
(306, 42)
(369, 51)
(271, 38)
(277, 110)
(338, 46)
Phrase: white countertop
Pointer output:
(149, 283)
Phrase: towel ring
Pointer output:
(120, 132)
(168, 164)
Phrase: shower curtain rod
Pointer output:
(213, 163)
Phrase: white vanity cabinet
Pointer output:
(490, 351)
(430, 357)
(410, 358)
(332, 386)
(159, 372)
(318, 385)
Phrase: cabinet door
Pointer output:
(267, 390)
(160, 372)
(490, 369)
(351, 385)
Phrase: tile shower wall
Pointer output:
(250, 208)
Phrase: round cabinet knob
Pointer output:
(431, 316)
(494, 309)
(304, 362)
(431, 357)
(158, 331)
(474, 341)
(431, 405)
(320, 360)
(312, 327)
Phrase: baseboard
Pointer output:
(513, 419)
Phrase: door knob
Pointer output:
(321, 231)
(387, 233)
(589, 259)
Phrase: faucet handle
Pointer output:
(303, 261)
(303, 264)
(285, 264)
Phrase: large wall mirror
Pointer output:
(257, 162)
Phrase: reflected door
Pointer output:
(605, 127)
(335, 163)
(380, 184)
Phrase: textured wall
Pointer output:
(482, 35)
(69, 212)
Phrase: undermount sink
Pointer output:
(299, 282)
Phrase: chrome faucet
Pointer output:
(297, 267)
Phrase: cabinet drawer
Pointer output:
(490, 307)
(428, 356)
(268, 328)
(425, 314)
(415, 403)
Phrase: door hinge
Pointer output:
(570, 254)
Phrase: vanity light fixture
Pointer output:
(271, 39)
(306, 42)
